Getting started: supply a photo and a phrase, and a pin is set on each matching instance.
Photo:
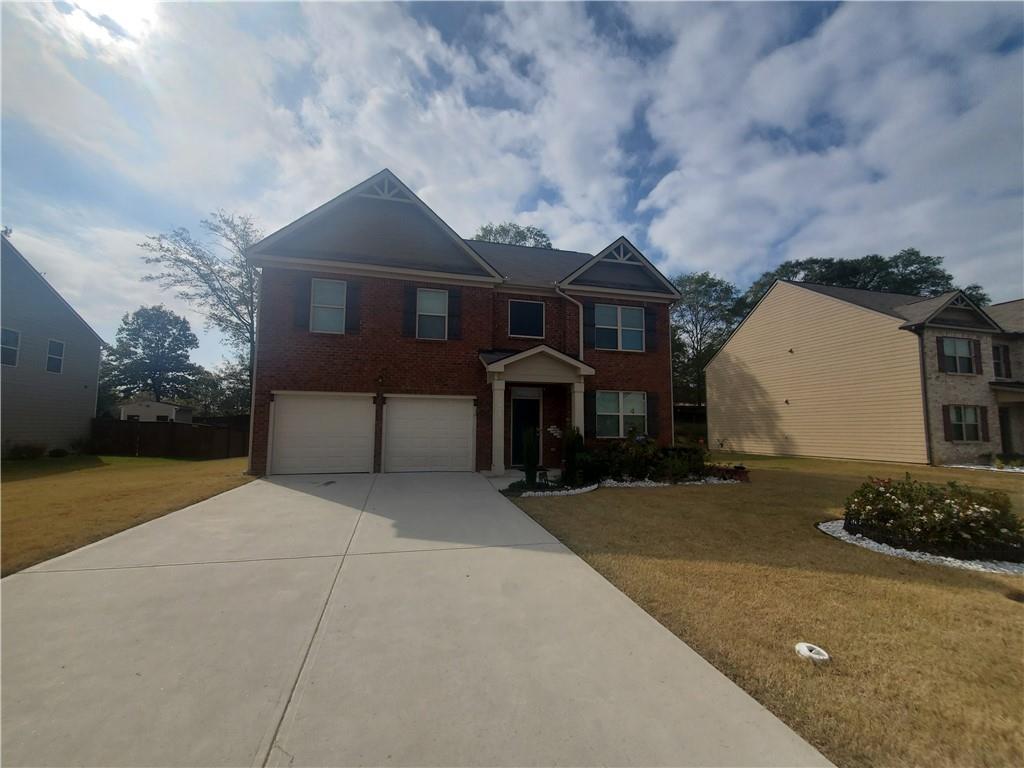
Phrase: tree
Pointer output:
(908, 271)
(701, 321)
(513, 234)
(151, 355)
(216, 279)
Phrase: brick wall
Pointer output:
(959, 389)
(379, 359)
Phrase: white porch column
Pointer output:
(577, 404)
(498, 425)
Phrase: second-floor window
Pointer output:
(327, 306)
(958, 355)
(1001, 361)
(618, 327)
(965, 422)
(431, 314)
(9, 343)
(526, 318)
(55, 356)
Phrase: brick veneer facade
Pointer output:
(380, 359)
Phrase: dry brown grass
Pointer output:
(928, 661)
(52, 506)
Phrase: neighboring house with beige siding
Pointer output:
(50, 361)
(846, 373)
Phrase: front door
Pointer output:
(525, 414)
(1004, 428)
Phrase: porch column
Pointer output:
(498, 426)
(577, 404)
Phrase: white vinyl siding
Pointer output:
(327, 306)
(619, 328)
(619, 413)
(431, 314)
(810, 375)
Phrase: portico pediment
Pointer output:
(540, 364)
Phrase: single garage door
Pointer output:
(322, 433)
(424, 434)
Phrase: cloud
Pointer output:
(725, 137)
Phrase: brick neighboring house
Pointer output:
(819, 370)
(385, 342)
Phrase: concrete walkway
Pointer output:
(416, 619)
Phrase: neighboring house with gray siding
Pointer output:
(50, 360)
(835, 372)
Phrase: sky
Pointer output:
(724, 137)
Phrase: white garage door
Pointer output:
(423, 434)
(322, 433)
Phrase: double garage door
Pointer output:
(323, 433)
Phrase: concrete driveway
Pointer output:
(416, 619)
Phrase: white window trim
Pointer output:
(342, 307)
(63, 351)
(620, 414)
(420, 291)
(17, 349)
(963, 424)
(618, 328)
(543, 318)
(956, 358)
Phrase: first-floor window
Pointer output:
(162, 418)
(327, 306)
(965, 420)
(619, 413)
(55, 356)
(431, 314)
(9, 343)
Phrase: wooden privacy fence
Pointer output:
(168, 439)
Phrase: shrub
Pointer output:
(953, 519)
(57, 453)
(22, 451)
(530, 456)
(573, 449)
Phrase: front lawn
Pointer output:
(928, 662)
(52, 506)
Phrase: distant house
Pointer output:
(818, 370)
(50, 360)
(150, 411)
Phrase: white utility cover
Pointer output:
(322, 433)
(424, 434)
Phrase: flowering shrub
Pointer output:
(951, 519)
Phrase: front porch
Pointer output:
(540, 388)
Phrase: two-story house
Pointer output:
(386, 342)
(818, 370)
(49, 360)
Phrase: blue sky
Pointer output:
(726, 137)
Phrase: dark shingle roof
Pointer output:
(913, 309)
(526, 265)
(1009, 315)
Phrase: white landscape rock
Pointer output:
(986, 467)
(562, 492)
(835, 528)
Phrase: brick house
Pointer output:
(385, 342)
(818, 370)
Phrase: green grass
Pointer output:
(928, 661)
(52, 506)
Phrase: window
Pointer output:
(327, 306)
(9, 343)
(132, 417)
(619, 413)
(55, 356)
(1001, 361)
(619, 327)
(958, 355)
(431, 314)
(965, 421)
(526, 318)
(162, 417)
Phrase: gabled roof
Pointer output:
(495, 361)
(1009, 315)
(377, 224)
(10, 251)
(621, 266)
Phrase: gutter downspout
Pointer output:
(924, 398)
(579, 307)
